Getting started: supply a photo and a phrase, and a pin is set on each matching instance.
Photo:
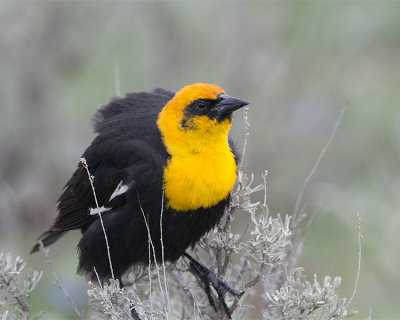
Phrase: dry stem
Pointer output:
(58, 281)
(91, 179)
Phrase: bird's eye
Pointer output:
(201, 105)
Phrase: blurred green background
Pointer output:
(296, 62)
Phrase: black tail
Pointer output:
(48, 238)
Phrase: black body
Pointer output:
(128, 148)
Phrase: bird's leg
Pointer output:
(208, 277)
(134, 314)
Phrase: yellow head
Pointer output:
(194, 125)
(198, 116)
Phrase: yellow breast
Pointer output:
(199, 179)
(201, 170)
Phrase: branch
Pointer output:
(58, 281)
(358, 217)
(91, 179)
(312, 172)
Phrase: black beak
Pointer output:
(229, 104)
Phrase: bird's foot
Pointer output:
(208, 277)
(134, 314)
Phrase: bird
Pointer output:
(157, 155)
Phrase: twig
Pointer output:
(57, 279)
(154, 252)
(312, 172)
(359, 259)
(246, 134)
(296, 219)
(292, 258)
(91, 178)
(369, 314)
(117, 78)
(41, 314)
(98, 278)
(20, 301)
(108, 296)
(162, 251)
(149, 272)
(264, 177)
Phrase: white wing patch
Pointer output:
(94, 211)
(121, 189)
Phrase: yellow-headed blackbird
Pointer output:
(151, 145)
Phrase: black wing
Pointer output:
(133, 114)
(128, 138)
